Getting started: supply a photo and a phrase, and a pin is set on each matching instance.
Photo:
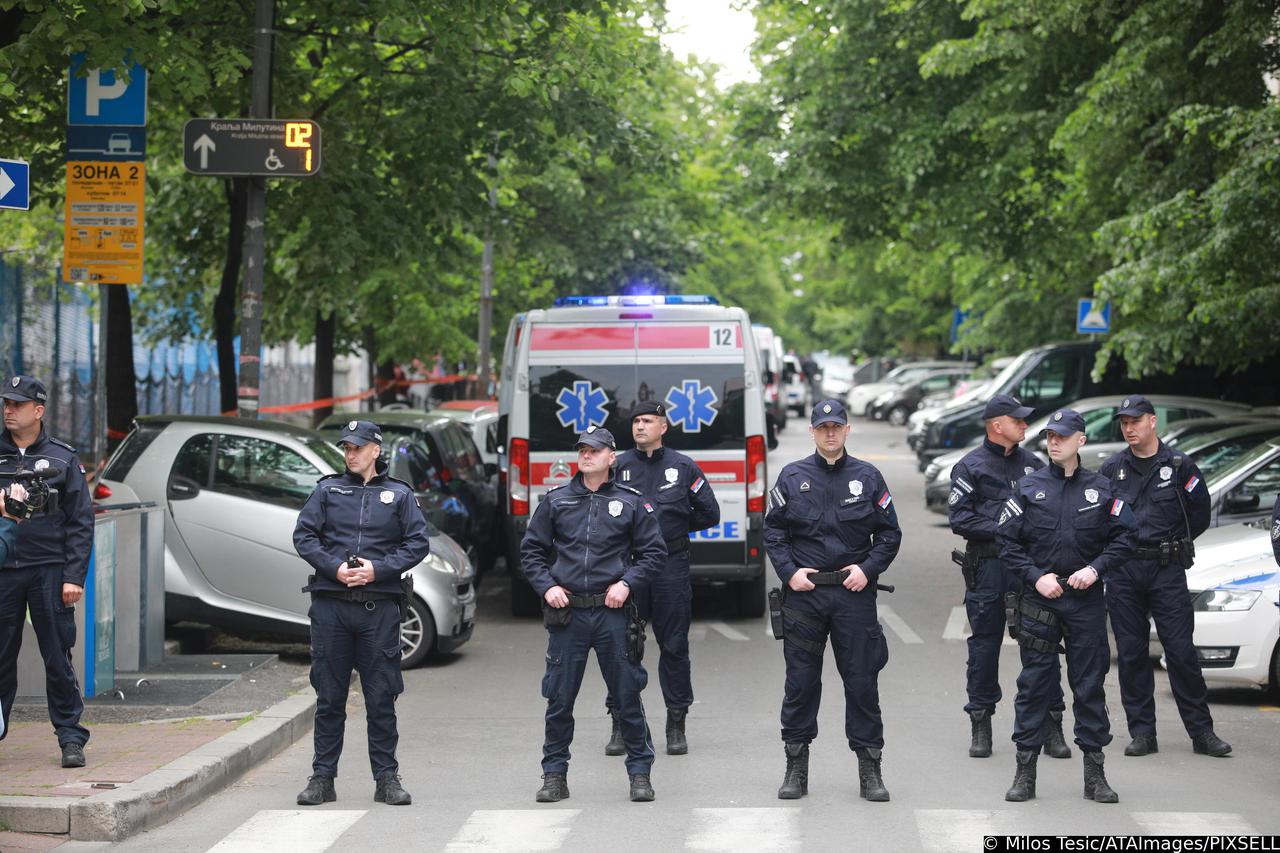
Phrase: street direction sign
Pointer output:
(275, 148)
(15, 184)
(1093, 317)
(110, 142)
(103, 97)
(104, 222)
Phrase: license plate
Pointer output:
(468, 612)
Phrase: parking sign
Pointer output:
(100, 96)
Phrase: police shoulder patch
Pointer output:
(648, 507)
(61, 444)
(560, 486)
(627, 488)
(327, 477)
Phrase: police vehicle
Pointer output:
(588, 361)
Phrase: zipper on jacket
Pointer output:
(586, 563)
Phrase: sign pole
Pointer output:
(486, 283)
(247, 390)
(100, 385)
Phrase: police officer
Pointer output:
(831, 531)
(360, 530)
(589, 543)
(684, 503)
(1061, 531)
(45, 572)
(980, 484)
(1171, 503)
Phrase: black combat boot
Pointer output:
(73, 755)
(641, 789)
(1205, 743)
(319, 790)
(1055, 745)
(615, 746)
(388, 790)
(1142, 745)
(1024, 780)
(1095, 781)
(795, 783)
(980, 741)
(555, 787)
(676, 742)
(870, 784)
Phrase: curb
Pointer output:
(164, 793)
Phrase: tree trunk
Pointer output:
(326, 330)
(122, 389)
(224, 307)
(371, 361)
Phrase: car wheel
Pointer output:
(898, 415)
(1275, 672)
(417, 634)
(751, 597)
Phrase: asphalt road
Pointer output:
(471, 731)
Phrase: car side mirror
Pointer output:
(1239, 502)
(182, 488)
(490, 469)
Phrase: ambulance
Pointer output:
(588, 361)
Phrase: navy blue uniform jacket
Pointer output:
(585, 541)
(672, 482)
(63, 538)
(980, 484)
(379, 521)
(1172, 485)
(1059, 524)
(826, 517)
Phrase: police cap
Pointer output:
(1135, 405)
(1006, 404)
(20, 389)
(1065, 422)
(360, 433)
(596, 437)
(828, 412)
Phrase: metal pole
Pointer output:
(100, 386)
(247, 389)
(486, 281)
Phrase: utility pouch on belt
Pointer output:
(556, 617)
(635, 633)
(775, 612)
(406, 593)
(1011, 617)
(968, 568)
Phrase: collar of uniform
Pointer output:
(997, 449)
(1162, 452)
(652, 458)
(578, 485)
(1058, 473)
(824, 465)
(9, 445)
(379, 474)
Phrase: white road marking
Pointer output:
(312, 831)
(697, 632)
(1193, 823)
(956, 830)
(896, 624)
(727, 631)
(513, 830)
(958, 627)
(769, 830)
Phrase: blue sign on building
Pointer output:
(1093, 317)
(15, 184)
(103, 97)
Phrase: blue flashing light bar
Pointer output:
(635, 301)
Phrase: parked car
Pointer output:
(1246, 489)
(232, 489)
(1186, 430)
(860, 397)
(1235, 597)
(796, 384)
(434, 452)
(1214, 451)
(897, 403)
(838, 377)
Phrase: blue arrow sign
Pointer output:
(1093, 317)
(101, 96)
(15, 184)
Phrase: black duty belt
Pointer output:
(357, 595)
(677, 545)
(983, 549)
(586, 602)
(829, 578)
(1160, 551)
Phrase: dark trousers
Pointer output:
(985, 606)
(39, 589)
(1084, 618)
(860, 649)
(605, 630)
(364, 636)
(1143, 589)
(668, 605)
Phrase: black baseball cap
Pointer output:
(596, 437)
(649, 407)
(360, 433)
(1006, 404)
(828, 412)
(20, 389)
(1065, 422)
(1133, 406)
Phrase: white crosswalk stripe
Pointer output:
(958, 627)
(1193, 823)
(728, 631)
(312, 831)
(898, 625)
(768, 830)
(513, 830)
(948, 830)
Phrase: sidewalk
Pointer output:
(148, 757)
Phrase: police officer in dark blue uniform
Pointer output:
(589, 543)
(1171, 502)
(360, 530)
(44, 574)
(980, 484)
(1061, 531)
(684, 503)
(831, 531)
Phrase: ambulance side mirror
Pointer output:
(771, 440)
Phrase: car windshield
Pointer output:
(328, 453)
(997, 385)
(1241, 463)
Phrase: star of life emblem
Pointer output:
(351, 426)
(855, 487)
(672, 474)
(1091, 495)
(387, 496)
(615, 508)
(1166, 472)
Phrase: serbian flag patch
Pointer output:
(648, 507)
(697, 484)
(1192, 483)
(1116, 506)
(884, 501)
